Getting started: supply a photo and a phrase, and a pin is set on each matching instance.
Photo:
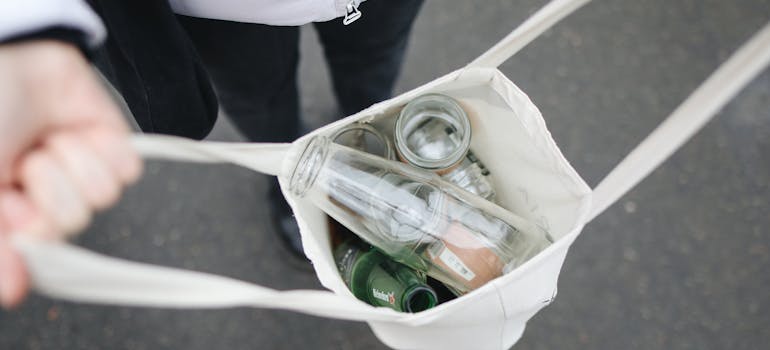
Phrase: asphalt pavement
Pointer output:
(681, 262)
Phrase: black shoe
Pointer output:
(285, 226)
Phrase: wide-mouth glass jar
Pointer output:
(365, 138)
(433, 132)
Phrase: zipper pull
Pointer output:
(352, 13)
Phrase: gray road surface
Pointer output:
(680, 263)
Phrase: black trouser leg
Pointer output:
(254, 70)
(365, 57)
(152, 63)
(254, 67)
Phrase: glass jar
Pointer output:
(414, 216)
(433, 132)
(365, 138)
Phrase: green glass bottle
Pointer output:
(378, 280)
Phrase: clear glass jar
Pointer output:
(365, 138)
(414, 216)
(433, 132)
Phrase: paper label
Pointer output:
(454, 263)
(388, 297)
(470, 261)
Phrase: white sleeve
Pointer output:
(25, 16)
(272, 12)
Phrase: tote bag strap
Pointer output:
(682, 124)
(685, 121)
(265, 158)
(529, 30)
(72, 273)
(65, 271)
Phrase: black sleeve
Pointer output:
(65, 34)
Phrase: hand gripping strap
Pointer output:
(685, 121)
(65, 271)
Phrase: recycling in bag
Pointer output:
(458, 219)
(415, 218)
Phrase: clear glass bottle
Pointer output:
(414, 216)
(378, 280)
(471, 175)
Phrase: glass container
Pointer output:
(365, 138)
(378, 280)
(433, 132)
(414, 216)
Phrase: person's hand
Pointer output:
(64, 150)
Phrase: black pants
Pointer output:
(164, 66)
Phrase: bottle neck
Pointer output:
(309, 165)
(396, 286)
(378, 280)
(418, 297)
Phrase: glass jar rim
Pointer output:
(461, 121)
(386, 143)
(308, 165)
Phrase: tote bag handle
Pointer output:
(685, 121)
(65, 271)
(529, 30)
(265, 158)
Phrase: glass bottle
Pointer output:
(471, 175)
(414, 216)
(378, 280)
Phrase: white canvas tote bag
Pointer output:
(533, 180)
